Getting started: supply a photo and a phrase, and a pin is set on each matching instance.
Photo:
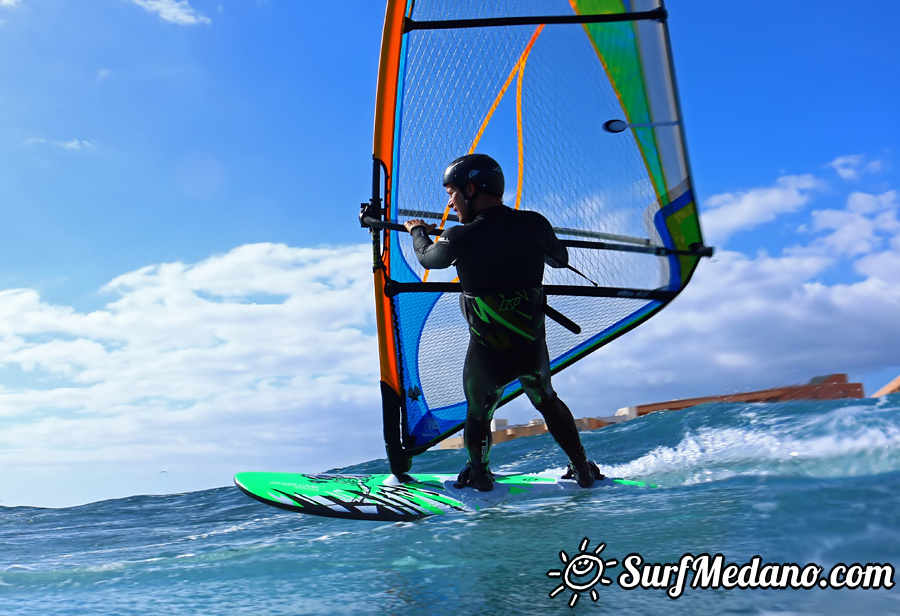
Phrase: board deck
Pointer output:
(385, 498)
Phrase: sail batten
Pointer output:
(590, 135)
(488, 22)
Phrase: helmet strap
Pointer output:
(470, 199)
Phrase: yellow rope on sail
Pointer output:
(519, 139)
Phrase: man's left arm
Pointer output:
(431, 255)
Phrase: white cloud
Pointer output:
(744, 323)
(861, 227)
(176, 11)
(853, 167)
(756, 321)
(729, 213)
(72, 144)
(10, 4)
(884, 265)
(264, 357)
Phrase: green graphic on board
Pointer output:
(382, 497)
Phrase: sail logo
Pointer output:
(633, 294)
(585, 570)
(414, 392)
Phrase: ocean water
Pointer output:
(804, 483)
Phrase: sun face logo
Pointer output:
(582, 572)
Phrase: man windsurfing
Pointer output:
(499, 254)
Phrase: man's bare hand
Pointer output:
(415, 222)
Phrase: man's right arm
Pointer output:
(556, 254)
(541, 232)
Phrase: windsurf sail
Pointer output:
(576, 99)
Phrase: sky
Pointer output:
(185, 291)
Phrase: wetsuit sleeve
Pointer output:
(434, 255)
(556, 253)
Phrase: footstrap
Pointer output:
(595, 471)
(463, 479)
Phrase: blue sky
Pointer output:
(185, 291)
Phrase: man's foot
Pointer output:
(480, 478)
(395, 479)
(584, 473)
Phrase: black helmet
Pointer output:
(478, 169)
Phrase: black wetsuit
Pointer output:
(500, 258)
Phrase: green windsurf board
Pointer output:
(385, 498)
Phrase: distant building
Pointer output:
(831, 387)
(503, 432)
(891, 388)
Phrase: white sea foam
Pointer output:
(843, 442)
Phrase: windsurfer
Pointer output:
(499, 254)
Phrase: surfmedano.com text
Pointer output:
(713, 572)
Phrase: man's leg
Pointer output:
(559, 420)
(483, 394)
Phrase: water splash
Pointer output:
(721, 441)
